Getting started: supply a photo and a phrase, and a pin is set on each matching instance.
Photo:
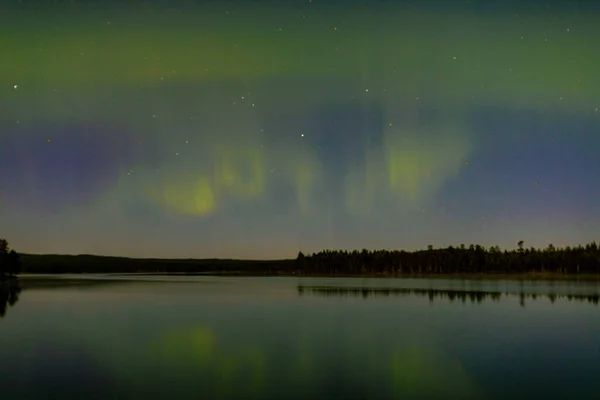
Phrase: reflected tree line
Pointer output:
(432, 294)
(9, 294)
(10, 287)
(462, 259)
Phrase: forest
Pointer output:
(474, 259)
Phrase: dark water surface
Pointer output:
(298, 338)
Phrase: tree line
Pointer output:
(474, 259)
(454, 260)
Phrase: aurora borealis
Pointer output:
(239, 129)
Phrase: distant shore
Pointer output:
(91, 264)
(463, 262)
(86, 264)
(496, 276)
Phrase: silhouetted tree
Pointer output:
(3, 256)
(13, 263)
(10, 263)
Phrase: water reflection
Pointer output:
(196, 354)
(451, 295)
(9, 294)
(362, 363)
(255, 338)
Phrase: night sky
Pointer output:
(247, 129)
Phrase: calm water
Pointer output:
(268, 338)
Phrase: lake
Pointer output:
(101, 337)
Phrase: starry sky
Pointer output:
(246, 129)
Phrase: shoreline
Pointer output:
(467, 264)
(532, 276)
